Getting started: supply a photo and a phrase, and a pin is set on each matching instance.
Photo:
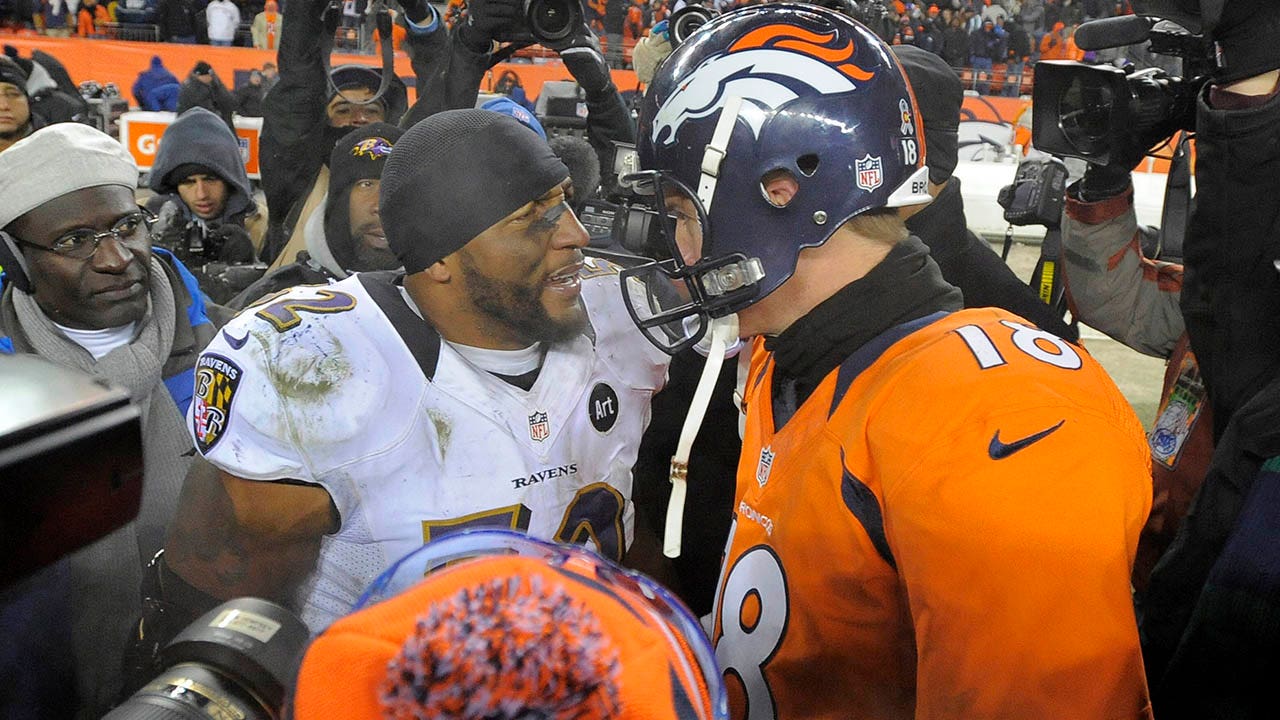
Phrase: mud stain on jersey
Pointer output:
(444, 430)
(311, 378)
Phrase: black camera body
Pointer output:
(1111, 116)
(70, 463)
(1037, 194)
(553, 20)
(627, 226)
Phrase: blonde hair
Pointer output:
(881, 225)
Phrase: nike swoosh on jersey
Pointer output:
(999, 451)
(235, 343)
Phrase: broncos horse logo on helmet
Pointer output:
(765, 67)
(775, 88)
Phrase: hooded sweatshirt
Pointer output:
(198, 136)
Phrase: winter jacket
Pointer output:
(213, 97)
(155, 86)
(176, 18)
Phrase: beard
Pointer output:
(369, 258)
(519, 307)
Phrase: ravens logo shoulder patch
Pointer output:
(217, 378)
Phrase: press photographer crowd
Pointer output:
(698, 402)
(991, 42)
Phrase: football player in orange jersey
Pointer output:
(507, 627)
(937, 509)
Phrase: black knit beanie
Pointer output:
(361, 155)
(939, 95)
(454, 175)
(12, 73)
(358, 155)
(186, 170)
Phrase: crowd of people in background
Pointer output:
(915, 493)
(991, 43)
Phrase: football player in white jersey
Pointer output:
(497, 382)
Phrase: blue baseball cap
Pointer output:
(507, 106)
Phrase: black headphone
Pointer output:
(15, 266)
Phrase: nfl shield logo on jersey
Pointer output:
(539, 428)
(870, 172)
(765, 466)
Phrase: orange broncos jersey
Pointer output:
(944, 529)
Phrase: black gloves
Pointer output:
(228, 243)
(581, 53)
(489, 20)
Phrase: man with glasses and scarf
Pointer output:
(83, 288)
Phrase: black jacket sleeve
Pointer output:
(448, 74)
(1231, 287)
(608, 119)
(292, 149)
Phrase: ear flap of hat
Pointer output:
(14, 264)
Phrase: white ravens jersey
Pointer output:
(346, 387)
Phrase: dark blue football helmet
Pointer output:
(790, 88)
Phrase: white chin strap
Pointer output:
(724, 335)
(723, 332)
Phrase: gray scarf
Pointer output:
(106, 575)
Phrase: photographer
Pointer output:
(306, 113)
(966, 260)
(1207, 616)
(203, 199)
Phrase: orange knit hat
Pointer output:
(512, 627)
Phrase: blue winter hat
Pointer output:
(507, 106)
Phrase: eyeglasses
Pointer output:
(132, 230)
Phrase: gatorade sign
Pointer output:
(141, 132)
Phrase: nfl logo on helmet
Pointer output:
(870, 173)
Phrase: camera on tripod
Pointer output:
(1111, 116)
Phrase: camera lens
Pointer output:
(551, 20)
(1084, 113)
(191, 692)
(236, 661)
(687, 20)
